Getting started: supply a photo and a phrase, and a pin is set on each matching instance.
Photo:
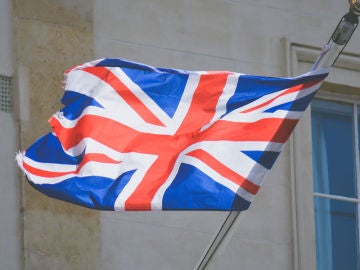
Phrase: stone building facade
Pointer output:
(39, 39)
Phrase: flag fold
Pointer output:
(135, 137)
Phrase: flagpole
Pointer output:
(328, 56)
(226, 229)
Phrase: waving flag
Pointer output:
(135, 137)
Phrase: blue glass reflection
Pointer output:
(333, 148)
(336, 235)
(334, 173)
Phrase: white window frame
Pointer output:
(341, 85)
(354, 101)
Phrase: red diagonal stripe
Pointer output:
(97, 158)
(223, 170)
(87, 158)
(44, 173)
(108, 77)
(288, 91)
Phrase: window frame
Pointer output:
(354, 102)
(336, 87)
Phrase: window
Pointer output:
(335, 139)
(341, 87)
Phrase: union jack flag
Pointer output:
(135, 137)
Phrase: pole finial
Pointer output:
(355, 7)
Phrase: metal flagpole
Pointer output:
(329, 54)
(218, 239)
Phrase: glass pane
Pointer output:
(333, 148)
(336, 235)
(358, 120)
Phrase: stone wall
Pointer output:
(239, 35)
(52, 36)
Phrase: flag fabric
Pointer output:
(135, 137)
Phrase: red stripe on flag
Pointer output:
(201, 111)
(224, 170)
(95, 158)
(124, 139)
(268, 129)
(288, 91)
(43, 173)
(103, 130)
(157, 174)
(87, 158)
(108, 77)
(203, 104)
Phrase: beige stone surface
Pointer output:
(52, 36)
(240, 35)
